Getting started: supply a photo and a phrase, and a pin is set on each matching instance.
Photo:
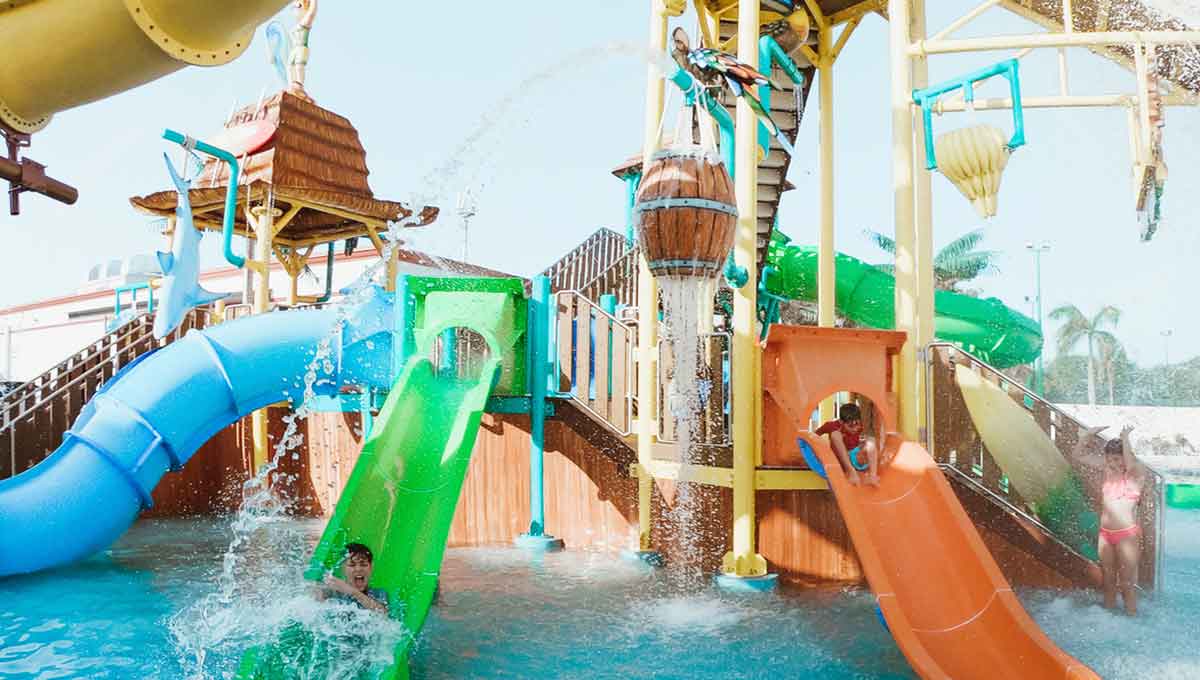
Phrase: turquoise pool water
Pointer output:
(505, 615)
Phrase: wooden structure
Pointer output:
(685, 213)
(306, 186)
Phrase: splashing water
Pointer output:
(687, 318)
(476, 160)
(258, 592)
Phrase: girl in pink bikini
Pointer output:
(1120, 496)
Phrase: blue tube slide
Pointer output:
(154, 414)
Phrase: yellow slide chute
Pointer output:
(59, 54)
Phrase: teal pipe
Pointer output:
(926, 98)
(328, 276)
(632, 180)
(608, 302)
(449, 363)
(230, 192)
(769, 54)
(684, 81)
(404, 340)
(539, 307)
(132, 289)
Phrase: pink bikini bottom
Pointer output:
(1115, 536)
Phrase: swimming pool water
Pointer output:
(505, 614)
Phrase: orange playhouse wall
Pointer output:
(590, 498)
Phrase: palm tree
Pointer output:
(1109, 348)
(1075, 327)
(956, 263)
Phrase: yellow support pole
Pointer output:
(263, 221)
(924, 227)
(902, 189)
(826, 248)
(647, 333)
(743, 561)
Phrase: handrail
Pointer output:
(1026, 392)
(42, 381)
(1008, 505)
(58, 390)
(627, 398)
(1155, 479)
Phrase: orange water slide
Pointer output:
(950, 610)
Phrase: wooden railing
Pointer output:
(587, 261)
(619, 280)
(594, 361)
(34, 416)
(955, 442)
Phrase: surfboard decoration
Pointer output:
(1035, 467)
(244, 138)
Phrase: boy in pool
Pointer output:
(845, 437)
(357, 566)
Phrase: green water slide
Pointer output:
(399, 501)
(865, 294)
(401, 497)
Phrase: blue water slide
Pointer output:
(152, 416)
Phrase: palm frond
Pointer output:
(1074, 326)
(1107, 314)
(882, 242)
(967, 266)
(960, 246)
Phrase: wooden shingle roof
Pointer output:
(314, 160)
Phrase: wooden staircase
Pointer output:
(772, 170)
(34, 416)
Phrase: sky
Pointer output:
(530, 107)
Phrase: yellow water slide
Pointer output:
(59, 54)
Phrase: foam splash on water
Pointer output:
(259, 591)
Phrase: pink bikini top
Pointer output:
(1122, 489)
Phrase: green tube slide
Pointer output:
(865, 294)
(399, 501)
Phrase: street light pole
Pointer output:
(1039, 368)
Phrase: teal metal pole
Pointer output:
(230, 192)
(632, 180)
(449, 363)
(539, 305)
(403, 341)
(539, 376)
(608, 303)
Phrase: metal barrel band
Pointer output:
(705, 154)
(659, 265)
(701, 203)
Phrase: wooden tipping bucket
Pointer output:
(686, 213)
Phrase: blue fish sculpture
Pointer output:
(180, 290)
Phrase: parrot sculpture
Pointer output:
(713, 68)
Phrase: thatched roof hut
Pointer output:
(313, 168)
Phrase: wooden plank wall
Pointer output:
(590, 498)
